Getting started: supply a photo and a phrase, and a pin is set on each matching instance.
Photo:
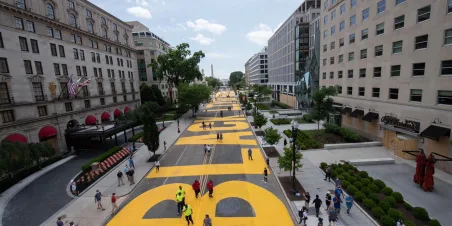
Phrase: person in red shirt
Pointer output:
(210, 187)
(113, 203)
(195, 186)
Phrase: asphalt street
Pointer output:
(46, 195)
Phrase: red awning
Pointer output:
(90, 120)
(117, 113)
(105, 116)
(126, 109)
(47, 132)
(16, 137)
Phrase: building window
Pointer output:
(393, 93)
(333, 30)
(376, 92)
(352, 20)
(350, 73)
(57, 34)
(115, 100)
(325, 34)
(42, 110)
(23, 44)
(331, 60)
(73, 38)
(4, 65)
(34, 46)
(96, 46)
(339, 74)
(449, 6)
(377, 72)
(339, 89)
(445, 97)
(349, 90)
(85, 73)
(49, 31)
(395, 70)
(102, 101)
(90, 27)
(91, 44)
(333, 15)
(64, 66)
(87, 103)
(75, 54)
(325, 48)
(332, 75)
(72, 20)
(324, 62)
(398, 2)
(7, 116)
(416, 95)
(418, 69)
(30, 26)
(70, 4)
(341, 25)
(325, 20)
(106, 59)
(53, 49)
(93, 57)
(1, 41)
(116, 37)
(363, 53)
(82, 55)
(38, 66)
(19, 23)
(4, 94)
(362, 72)
(98, 58)
(423, 13)
(37, 91)
(323, 76)
(99, 70)
(352, 38)
(364, 34)
(28, 67)
(56, 68)
(365, 14)
(421, 42)
(95, 72)
(20, 3)
(448, 36)
(399, 22)
(79, 39)
(104, 32)
(341, 42)
(61, 49)
(352, 3)
(378, 50)
(380, 29)
(342, 9)
(332, 45)
(397, 47)
(341, 58)
(351, 56)
(68, 106)
(446, 67)
(361, 91)
(381, 6)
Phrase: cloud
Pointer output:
(203, 40)
(144, 3)
(217, 55)
(140, 12)
(205, 25)
(260, 34)
(182, 26)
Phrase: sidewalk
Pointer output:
(83, 211)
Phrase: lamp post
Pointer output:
(294, 138)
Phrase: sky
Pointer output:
(229, 32)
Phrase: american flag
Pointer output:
(84, 83)
(71, 87)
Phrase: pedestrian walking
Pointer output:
(305, 215)
(317, 204)
(339, 193)
(182, 191)
(210, 188)
(120, 180)
(210, 125)
(327, 200)
(132, 179)
(113, 203)
(221, 136)
(205, 148)
(203, 125)
(332, 216)
(337, 204)
(307, 198)
(98, 199)
(164, 145)
(74, 188)
(218, 136)
(328, 174)
(348, 203)
(196, 187)
(179, 201)
(208, 148)
(126, 172)
(188, 212)
(157, 165)
(131, 163)
(250, 154)
(177, 122)
(59, 222)
(265, 175)
(207, 221)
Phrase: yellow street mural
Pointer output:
(267, 208)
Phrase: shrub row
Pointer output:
(308, 118)
(348, 134)
(101, 157)
(262, 106)
(304, 141)
(379, 199)
(281, 105)
(135, 138)
(281, 121)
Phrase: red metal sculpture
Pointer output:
(429, 171)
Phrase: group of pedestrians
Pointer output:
(204, 125)
(207, 148)
(129, 172)
(219, 136)
(182, 206)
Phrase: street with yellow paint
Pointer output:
(240, 196)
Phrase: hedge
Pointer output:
(135, 138)
(101, 157)
(280, 121)
(347, 134)
(308, 118)
(304, 141)
(262, 106)
(376, 197)
(281, 105)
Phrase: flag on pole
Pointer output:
(84, 83)
(71, 87)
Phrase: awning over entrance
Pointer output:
(117, 113)
(370, 116)
(346, 110)
(47, 132)
(16, 137)
(105, 116)
(90, 120)
(435, 132)
(356, 113)
(126, 109)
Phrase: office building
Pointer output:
(46, 44)
(256, 69)
(285, 67)
(391, 62)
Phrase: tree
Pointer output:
(191, 96)
(237, 80)
(146, 93)
(249, 106)
(145, 115)
(158, 95)
(259, 120)
(272, 136)
(323, 104)
(178, 66)
(285, 161)
(213, 82)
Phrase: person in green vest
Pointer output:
(179, 200)
(182, 191)
(188, 211)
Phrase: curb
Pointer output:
(294, 214)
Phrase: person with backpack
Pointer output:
(332, 215)
(328, 200)
(98, 199)
(317, 204)
(131, 177)
(120, 180)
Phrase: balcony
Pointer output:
(6, 100)
(41, 98)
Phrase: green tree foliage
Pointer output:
(151, 94)
(323, 104)
(285, 161)
(261, 92)
(145, 115)
(191, 96)
(158, 95)
(272, 136)
(237, 80)
(16, 155)
(259, 120)
(213, 82)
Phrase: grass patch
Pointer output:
(262, 106)
(304, 140)
(135, 137)
(281, 121)
(273, 112)
(166, 118)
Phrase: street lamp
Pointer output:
(294, 138)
